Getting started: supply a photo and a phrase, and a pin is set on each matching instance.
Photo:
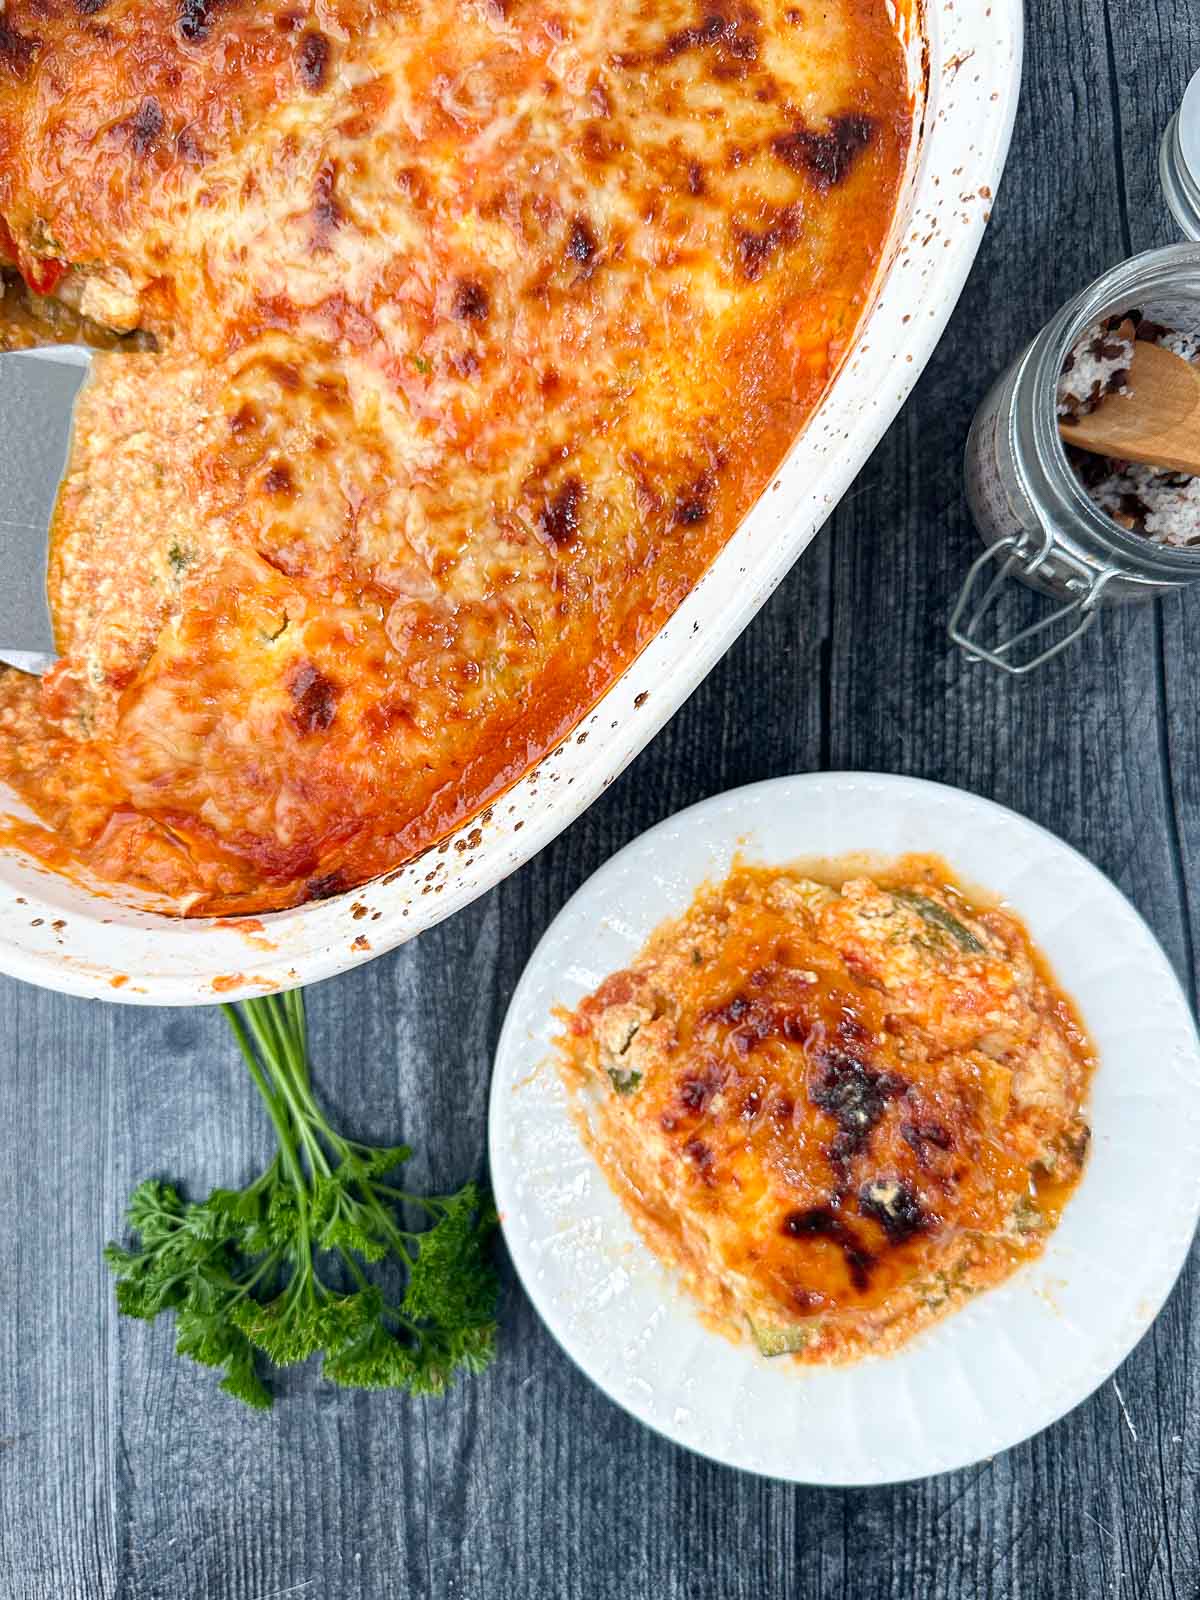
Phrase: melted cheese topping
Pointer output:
(479, 328)
(839, 1109)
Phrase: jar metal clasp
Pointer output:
(1020, 561)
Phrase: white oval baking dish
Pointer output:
(965, 62)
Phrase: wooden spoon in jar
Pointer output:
(1157, 422)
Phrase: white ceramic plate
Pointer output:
(1010, 1362)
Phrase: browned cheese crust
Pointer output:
(460, 338)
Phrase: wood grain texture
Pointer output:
(123, 1476)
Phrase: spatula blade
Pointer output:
(37, 400)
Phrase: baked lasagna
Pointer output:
(444, 345)
(838, 1106)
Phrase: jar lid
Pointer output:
(1189, 129)
(1179, 162)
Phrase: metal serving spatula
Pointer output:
(37, 402)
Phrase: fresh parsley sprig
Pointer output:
(278, 1269)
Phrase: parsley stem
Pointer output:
(286, 1143)
(356, 1272)
(312, 1113)
(316, 1156)
(273, 1105)
(434, 1206)
(273, 1044)
(388, 1225)
(261, 1016)
(293, 1001)
(290, 1044)
(267, 1264)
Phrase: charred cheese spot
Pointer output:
(314, 60)
(855, 1096)
(197, 17)
(18, 51)
(324, 888)
(189, 148)
(582, 246)
(921, 1136)
(145, 127)
(729, 39)
(326, 212)
(695, 504)
(696, 1090)
(895, 1207)
(559, 519)
(819, 1222)
(758, 248)
(471, 303)
(701, 1157)
(827, 157)
(314, 699)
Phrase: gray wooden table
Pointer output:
(124, 1474)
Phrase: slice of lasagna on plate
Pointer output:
(837, 1105)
